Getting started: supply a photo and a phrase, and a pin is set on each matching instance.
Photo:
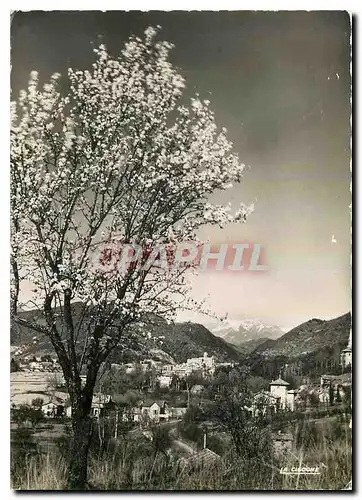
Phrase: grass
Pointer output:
(47, 473)
(131, 468)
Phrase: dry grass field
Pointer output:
(26, 386)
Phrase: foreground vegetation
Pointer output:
(134, 462)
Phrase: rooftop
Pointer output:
(279, 381)
(146, 403)
(203, 458)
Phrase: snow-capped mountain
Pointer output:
(239, 331)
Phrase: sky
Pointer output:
(280, 83)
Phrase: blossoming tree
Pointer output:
(114, 158)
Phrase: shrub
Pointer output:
(26, 414)
(216, 444)
(23, 447)
(191, 431)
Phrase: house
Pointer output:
(205, 363)
(52, 409)
(278, 397)
(49, 409)
(155, 412)
(136, 415)
(279, 389)
(338, 384)
(182, 370)
(225, 364)
(164, 380)
(177, 413)
(167, 369)
(102, 405)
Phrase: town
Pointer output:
(202, 369)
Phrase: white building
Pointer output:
(49, 409)
(53, 409)
(279, 390)
(164, 380)
(154, 412)
(99, 402)
(177, 412)
(279, 397)
(205, 363)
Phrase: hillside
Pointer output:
(153, 337)
(178, 340)
(311, 349)
(309, 337)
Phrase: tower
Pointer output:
(349, 346)
(279, 389)
(346, 354)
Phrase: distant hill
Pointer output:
(315, 342)
(180, 341)
(151, 338)
(309, 337)
(311, 349)
(239, 332)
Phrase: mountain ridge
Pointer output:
(175, 342)
(238, 332)
(166, 341)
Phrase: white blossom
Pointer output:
(118, 156)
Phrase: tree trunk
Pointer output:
(80, 443)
